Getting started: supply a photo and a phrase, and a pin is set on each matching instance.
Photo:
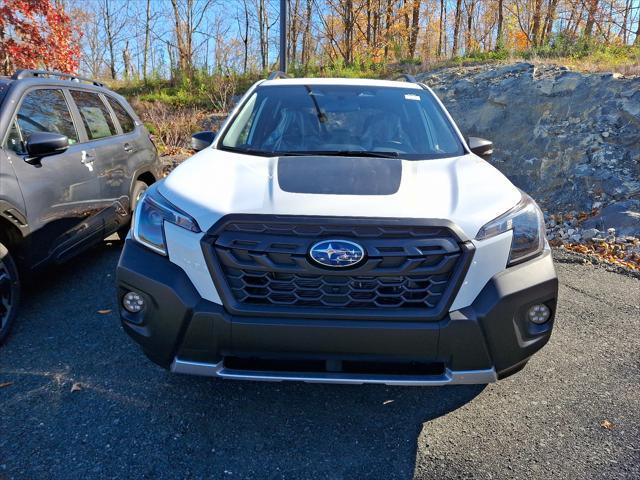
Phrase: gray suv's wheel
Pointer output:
(9, 292)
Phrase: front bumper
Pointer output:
(490, 339)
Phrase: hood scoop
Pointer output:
(339, 175)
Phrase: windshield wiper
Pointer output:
(341, 153)
(252, 151)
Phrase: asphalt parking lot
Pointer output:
(78, 400)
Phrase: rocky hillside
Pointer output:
(571, 140)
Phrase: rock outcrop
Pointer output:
(571, 140)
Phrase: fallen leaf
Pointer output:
(5, 384)
(76, 387)
(606, 424)
(104, 312)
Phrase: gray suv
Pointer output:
(74, 159)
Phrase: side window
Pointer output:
(94, 113)
(125, 120)
(46, 110)
(14, 140)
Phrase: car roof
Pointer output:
(340, 81)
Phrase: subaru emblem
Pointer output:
(337, 253)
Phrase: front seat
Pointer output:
(385, 131)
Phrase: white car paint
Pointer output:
(465, 190)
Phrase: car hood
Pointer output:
(465, 190)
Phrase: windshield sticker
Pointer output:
(411, 96)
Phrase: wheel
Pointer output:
(138, 190)
(9, 292)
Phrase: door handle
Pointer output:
(128, 147)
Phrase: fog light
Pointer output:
(539, 314)
(133, 302)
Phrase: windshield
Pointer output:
(342, 120)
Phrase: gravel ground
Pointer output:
(129, 419)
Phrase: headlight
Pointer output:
(151, 213)
(527, 222)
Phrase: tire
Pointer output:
(138, 190)
(9, 292)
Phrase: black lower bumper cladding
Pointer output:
(490, 339)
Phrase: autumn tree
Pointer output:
(37, 34)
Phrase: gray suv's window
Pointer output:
(125, 120)
(14, 141)
(46, 110)
(94, 113)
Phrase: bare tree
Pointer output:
(188, 16)
(147, 40)
(244, 36)
(114, 18)
(264, 28)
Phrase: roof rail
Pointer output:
(407, 78)
(27, 73)
(276, 75)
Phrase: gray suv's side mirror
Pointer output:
(44, 144)
(480, 146)
(201, 140)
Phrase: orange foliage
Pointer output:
(35, 34)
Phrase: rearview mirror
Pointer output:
(201, 140)
(44, 144)
(480, 146)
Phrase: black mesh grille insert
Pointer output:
(262, 267)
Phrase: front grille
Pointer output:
(261, 267)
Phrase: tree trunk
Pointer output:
(245, 37)
(548, 22)
(624, 31)
(470, 9)
(500, 33)
(126, 61)
(182, 63)
(415, 27)
(306, 38)
(263, 28)
(591, 18)
(535, 30)
(456, 28)
(110, 40)
(441, 27)
(368, 24)
(147, 39)
(389, 16)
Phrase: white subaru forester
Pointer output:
(338, 231)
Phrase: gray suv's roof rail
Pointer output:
(27, 73)
(276, 75)
(407, 78)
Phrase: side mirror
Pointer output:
(44, 144)
(480, 146)
(201, 140)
